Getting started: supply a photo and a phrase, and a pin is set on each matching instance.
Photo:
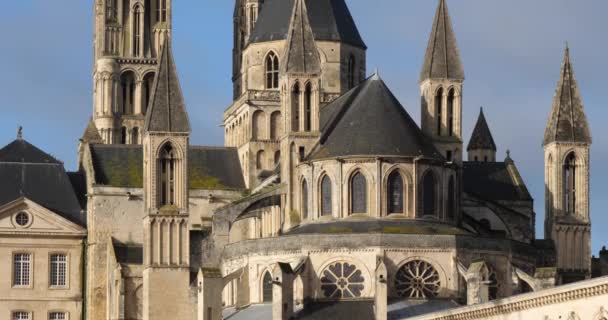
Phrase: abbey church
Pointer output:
(328, 201)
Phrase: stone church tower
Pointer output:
(128, 35)
(567, 142)
(245, 16)
(441, 82)
(166, 246)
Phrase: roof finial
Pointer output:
(508, 154)
(376, 75)
(20, 133)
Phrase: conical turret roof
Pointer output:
(301, 54)
(481, 139)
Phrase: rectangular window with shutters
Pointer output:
(59, 270)
(22, 269)
(21, 315)
(58, 316)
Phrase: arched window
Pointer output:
(276, 127)
(308, 108)
(295, 108)
(272, 71)
(111, 10)
(351, 74)
(123, 135)
(439, 109)
(147, 92)
(161, 11)
(304, 200)
(135, 136)
(127, 81)
(277, 157)
(258, 124)
(451, 113)
(259, 160)
(326, 197)
(138, 24)
(570, 184)
(451, 199)
(358, 193)
(428, 194)
(167, 175)
(267, 287)
(395, 193)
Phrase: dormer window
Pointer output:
(167, 176)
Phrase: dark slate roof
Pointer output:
(167, 109)
(370, 121)
(91, 134)
(494, 181)
(301, 54)
(481, 139)
(442, 59)
(210, 168)
(330, 21)
(26, 171)
(567, 122)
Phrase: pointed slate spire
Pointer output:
(442, 60)
(91, 134)
(567, 122)
(481, 139)
(301, 54)
(167, 110)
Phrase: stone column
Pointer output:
(138, 101)
(210, 286)
(476, 278)
(282, 292)
(381, 297)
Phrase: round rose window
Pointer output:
(418, 280)
(342, 280)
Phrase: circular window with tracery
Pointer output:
(22, 219)
(342, 280)
(417, 279)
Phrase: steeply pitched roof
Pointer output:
(567, 122)
(370, 121)
(481, 139)
(26, 171)
(209, 168)
(330, 21)
(91, 134)
(167, 110)
(301, 54)
(494, 181)
(442, 60)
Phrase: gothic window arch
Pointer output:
(277, 157)
(127, 82)
(342, 280)
(111, 10)
(304, 199)
(167, 175)
(123, 135)
(417, 279)
(451, 210)
(276, 127)
(258, 124)
(161, 10)
(450, 111)
(308, 107)
(429, 194)
(396, 193)
(439, 110)
(295, 107)
(351, 73)
(358, 193)
(326, 196)
(267, 287)
(147, 91)
(272, 71)
(259, 160)
(569, 183)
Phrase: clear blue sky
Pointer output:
(512, 52)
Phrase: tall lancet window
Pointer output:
(358, 194)
(272, 71)
(167, 175)
(326, 197)
(570, 184)
(138, 17)
(308, 108)
(428, 194)
(351, 72)
(451, 199)
(111, 10)
(451, 113)
(439, 109)
(295, 108)
(395, 193)
(161, 11)
(304, 200)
